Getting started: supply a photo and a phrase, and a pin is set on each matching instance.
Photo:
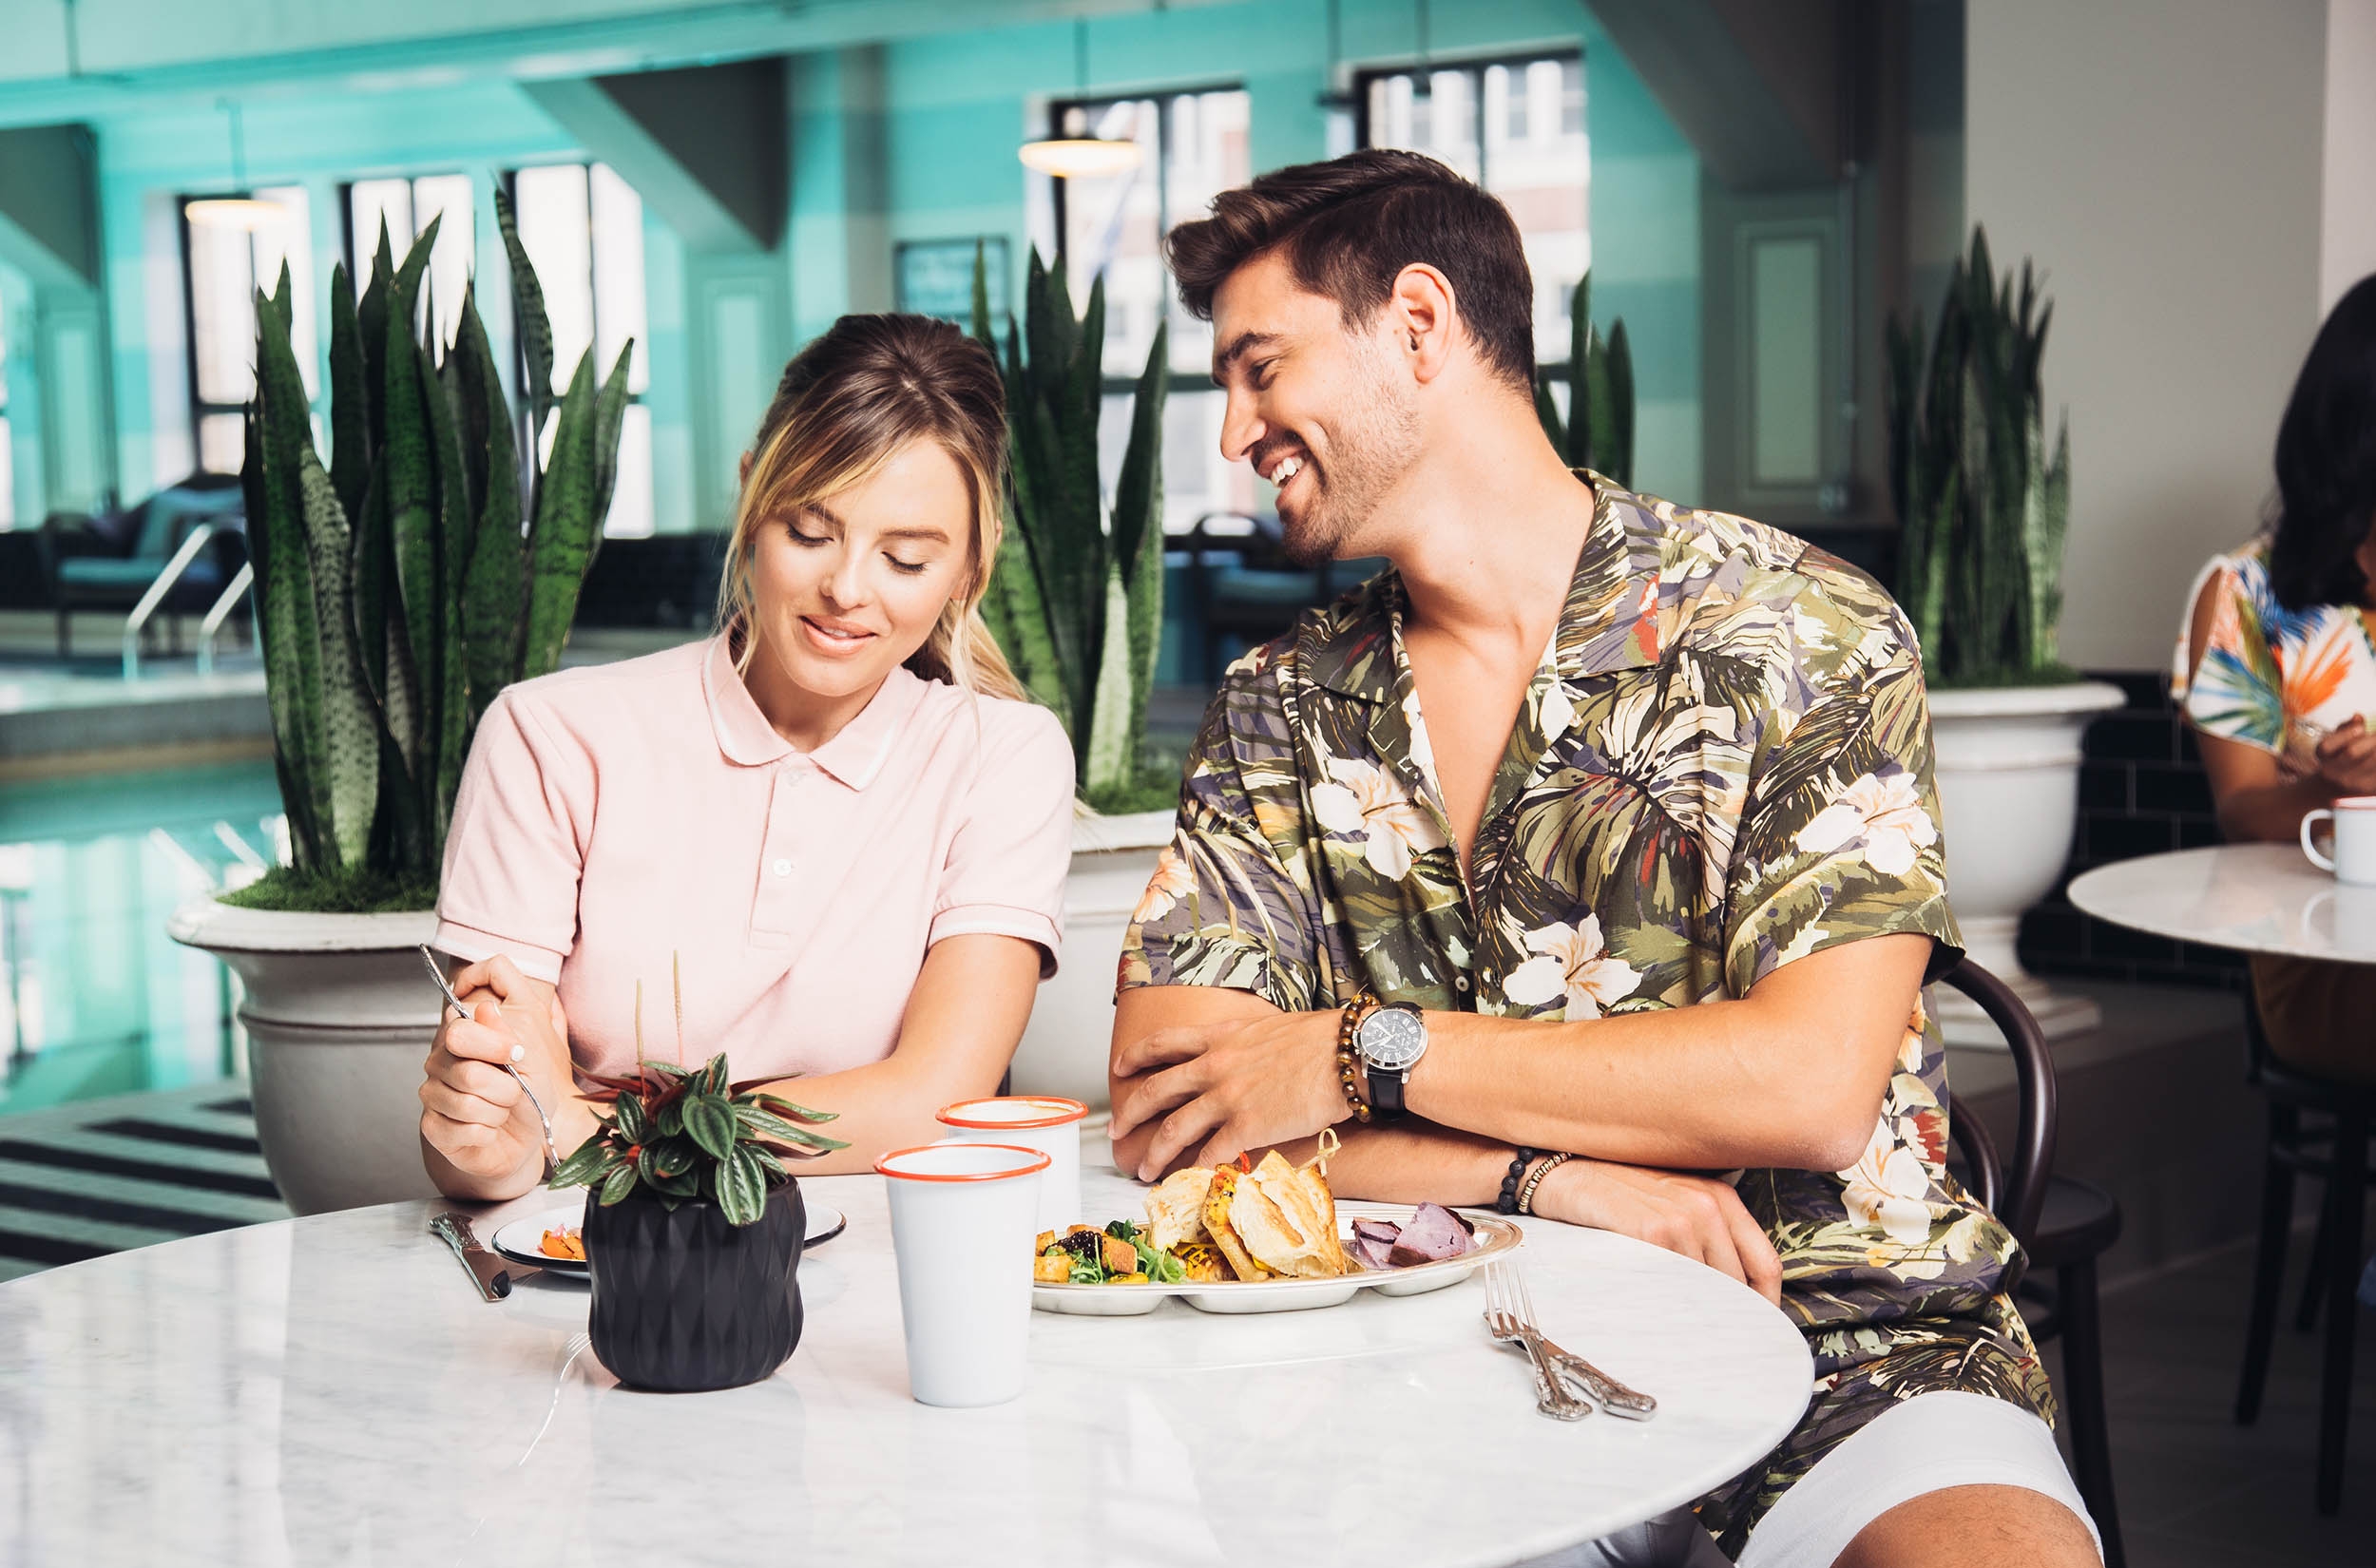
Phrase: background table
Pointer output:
(330, 1390)
(2260, 898)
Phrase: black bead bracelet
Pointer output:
(1508, 1202)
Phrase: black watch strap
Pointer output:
(1385, 1090)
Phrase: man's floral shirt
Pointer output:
(1723, 764)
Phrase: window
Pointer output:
(223, 269)
(1517, 127)
(582, 228)
(1195, 147)
(407, 208)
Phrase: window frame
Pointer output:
(1163, 98)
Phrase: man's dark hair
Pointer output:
(1349, 225)
(2327, 462)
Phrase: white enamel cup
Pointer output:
(962, 1218)
(2354, 857)
(1046, 1122)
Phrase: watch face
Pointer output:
(1392, 1038)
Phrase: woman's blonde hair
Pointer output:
(865, 387)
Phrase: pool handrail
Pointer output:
(191, 544)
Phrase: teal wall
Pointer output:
(908, 140)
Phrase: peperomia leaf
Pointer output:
(741, 1186)
(671, 1119)
(620, 1183)
(785, 1107)
(634, 1123)
(586, 1165)
(711, 1079)
(710, 1121)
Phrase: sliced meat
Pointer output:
(1433, 1234)
(1382, 1231)
(1370, 1252)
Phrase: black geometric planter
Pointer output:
(684, 1301)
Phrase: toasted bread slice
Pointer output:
(1176, 1208)
(1283, 1224)
(1217, 1209)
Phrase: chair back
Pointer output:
(2024, 1182)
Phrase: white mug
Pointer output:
(2354, 860)
(1049, 1124)
(962, 1218)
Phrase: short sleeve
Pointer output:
(1007, 861)
(2237, 692)
(1228, 906)
(1840, 836)
(513, 851)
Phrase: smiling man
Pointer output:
(1589, 849)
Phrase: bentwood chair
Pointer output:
(2062, 1224)
(2317, 1128)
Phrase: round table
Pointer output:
(2261, 898)
(332, 1389)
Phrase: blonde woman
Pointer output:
(835, 831)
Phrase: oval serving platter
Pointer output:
(1493, 1237)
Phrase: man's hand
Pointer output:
(1228, 1085)
(472, 1111)
(1697, 1216)
(2347, 758)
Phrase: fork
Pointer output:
(1612, 1396)
(1509, 1317)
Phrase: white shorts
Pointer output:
(1927, 1443)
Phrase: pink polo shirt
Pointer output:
(610, 818)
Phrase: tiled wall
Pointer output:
(2142, 791)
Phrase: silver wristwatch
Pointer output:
(1390, 1040)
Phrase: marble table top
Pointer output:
(330, 1390)
(2260, 898)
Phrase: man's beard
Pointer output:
(1370, 451)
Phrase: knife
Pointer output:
(493, 1276)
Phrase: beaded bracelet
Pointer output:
(1508, 1202)
(1347, 1062)
(1526, 1193)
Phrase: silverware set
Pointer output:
(1567, 1387)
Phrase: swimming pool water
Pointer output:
(94, 997)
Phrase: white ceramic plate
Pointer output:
(518, 1240)
(1493, 1237)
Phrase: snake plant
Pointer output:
(427, 567)
(1075, 598)
(1597, 433)
(1984, 504)
(685, 1135)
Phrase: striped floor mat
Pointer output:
(84, 1181)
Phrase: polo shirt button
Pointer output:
(1460, 981)
(781, 868)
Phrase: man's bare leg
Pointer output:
(1974, 1527)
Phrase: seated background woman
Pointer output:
(2277, 673)
(836, 820)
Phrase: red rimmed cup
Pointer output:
(1046, 1122)
(962, 1219)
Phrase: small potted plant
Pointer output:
(694, 1229)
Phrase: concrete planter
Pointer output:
(1072, 1024)
(338, 1017)
(2007, 761)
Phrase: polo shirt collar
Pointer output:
(1609, 623)
(855, 756)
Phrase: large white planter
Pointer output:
(1063, 1050)
(2007, 761)
(338, 1017)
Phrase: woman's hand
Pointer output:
(1697, 1217)
(473, 1116)
(2347, 758)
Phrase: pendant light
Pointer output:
(236, 211)
(1081, 157)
